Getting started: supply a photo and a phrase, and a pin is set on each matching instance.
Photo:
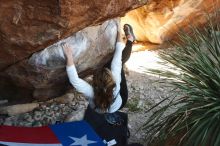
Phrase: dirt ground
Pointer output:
(144, 91)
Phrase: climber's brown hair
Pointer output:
(103, 84)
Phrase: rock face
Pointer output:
(43, 75)
(159, 20)
(28, 26)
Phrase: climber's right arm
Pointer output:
(80, 85)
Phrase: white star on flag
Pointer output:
(83, 141)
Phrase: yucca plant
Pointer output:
(195, 74)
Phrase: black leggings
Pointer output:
(123, 86)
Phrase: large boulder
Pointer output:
(159, 20)
(28, 26)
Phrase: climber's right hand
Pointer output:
(67, 50)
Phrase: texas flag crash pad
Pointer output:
(77, 133)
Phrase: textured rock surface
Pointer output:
(43, 75)
(18, 109)
(159, 20)
(87, 44)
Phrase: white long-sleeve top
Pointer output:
(87, 90)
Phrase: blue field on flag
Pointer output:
(78, 133)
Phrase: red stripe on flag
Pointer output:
(28, 134)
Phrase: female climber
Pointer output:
(108, 92)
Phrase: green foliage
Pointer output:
(132, 105)
(196, 115)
